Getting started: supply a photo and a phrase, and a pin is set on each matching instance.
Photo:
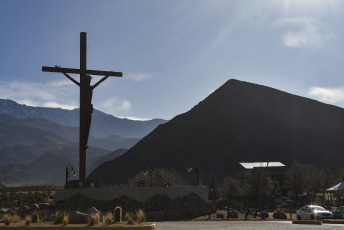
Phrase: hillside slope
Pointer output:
(240, 121)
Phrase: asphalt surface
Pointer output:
(257, 225)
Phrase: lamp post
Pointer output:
(194, 167)
(69, 168)
(212, 195)
(149, 172)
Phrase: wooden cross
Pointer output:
(86, 91)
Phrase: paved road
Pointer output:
(256, 225)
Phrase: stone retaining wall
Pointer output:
(140, 194)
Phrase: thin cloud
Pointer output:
(135, 118)
(138, 76)
(303, 32)
(55, 94)
(328, 95)
(46, 94)
(115, 105)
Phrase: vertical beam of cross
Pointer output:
(82, 131)
(86, 92)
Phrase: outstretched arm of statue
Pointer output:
(72, 79)
(100, 81)
(69, 77)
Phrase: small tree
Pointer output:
(260, 184)
(276, 190)
(296, 177)
(213, 191)
(160, 177)
(232, 190)
(325, 180)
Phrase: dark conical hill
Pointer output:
(240, 121)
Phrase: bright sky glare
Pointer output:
(172, 53)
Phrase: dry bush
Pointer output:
(140, 216)
(28, 220)
(65, 220)
(59, 217)
(108, 218)
(7, 219)
(220, 215)
(94, 219)
(15, 218)
(126, 216)
(129, 218)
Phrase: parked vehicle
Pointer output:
(313, 212)
(339, 213)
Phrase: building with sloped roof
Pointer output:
(244, 169)
(276, 171)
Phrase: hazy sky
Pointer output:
(173, 54)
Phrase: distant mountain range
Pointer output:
(239, 122)
(103, 125)
(36, 151)
(22, 140)
(33, 151)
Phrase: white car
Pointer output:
(313, 212)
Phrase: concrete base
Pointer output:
(333, 221)
(140, 194)
(313, 222)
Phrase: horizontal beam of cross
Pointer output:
(77, 71)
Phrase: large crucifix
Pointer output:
(86, 91)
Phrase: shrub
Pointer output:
(94, 219)
(28, 220)
(220, 215)
(15, 218)
(7, 219)
(128, 217)
(34, 217)
(59, 217)
(42, 216)
(65, 220)
(38, 216)
(140, 216)
(108, 218)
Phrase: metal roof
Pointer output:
(337, 187)
(251, 165)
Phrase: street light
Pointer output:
(69, 168)
(149, 172)
(194, 168)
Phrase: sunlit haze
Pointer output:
(172, 53)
